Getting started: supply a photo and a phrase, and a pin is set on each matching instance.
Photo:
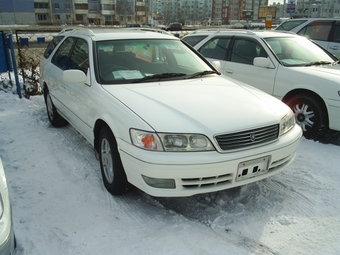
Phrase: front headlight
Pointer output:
(287, 122)
(170, 142)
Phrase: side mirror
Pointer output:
(263, 62)
(217, 65)
(73, 75)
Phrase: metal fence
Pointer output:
(29, 48)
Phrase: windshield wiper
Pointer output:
(161, 76)
(200, 74)
(318, 63)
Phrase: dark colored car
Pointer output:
(174, 27)
(132, 25)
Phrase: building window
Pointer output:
(79, 17)
(42, 17)
(57, 17)
(41, 5)
(56, 5)
(107, 18)
(108, 7)
(81, 6)
(67, 6)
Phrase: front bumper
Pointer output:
(334, 114)
(8, 245)
(203, 172)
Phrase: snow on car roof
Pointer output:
(259, 33)
(99, 34)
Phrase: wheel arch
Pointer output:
(100, 123)
(44, 89)
(294, 92)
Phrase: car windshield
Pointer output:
(298, 51)
(130, 61)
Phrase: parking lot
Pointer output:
(60, 205)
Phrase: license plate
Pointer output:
(252, 168)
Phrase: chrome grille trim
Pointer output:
(248, 138)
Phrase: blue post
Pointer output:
(15, 69)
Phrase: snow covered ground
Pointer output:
(60, 205)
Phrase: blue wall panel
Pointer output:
(3, 65)
(17, 5)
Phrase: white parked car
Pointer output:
(7, 238)
(285, 65)
(160, 117)
(324, 31)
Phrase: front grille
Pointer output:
(205, 182)
(248, 138)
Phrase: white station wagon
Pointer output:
(160, 117)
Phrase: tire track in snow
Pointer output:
(212, 211)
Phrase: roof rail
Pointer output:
(80, 30)
(148, 29)
(217, 30)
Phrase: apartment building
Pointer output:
(113, 12)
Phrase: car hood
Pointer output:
(325, 70)
(211, 104)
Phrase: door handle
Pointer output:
(227, 71)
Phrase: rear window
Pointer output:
(193, 40)
(290, 24)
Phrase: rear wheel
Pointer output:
(310, 114)
(113, 173)
(52, 113)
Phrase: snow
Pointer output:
(60, 205)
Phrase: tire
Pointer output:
(53, 116)
(113, 173)
(310, 114)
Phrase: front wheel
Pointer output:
(310, 114)
(112, 170)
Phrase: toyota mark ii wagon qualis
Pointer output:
(160, 117)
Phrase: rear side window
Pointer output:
(290, 24)
(51, 46)
(193, 40)
(317, 31)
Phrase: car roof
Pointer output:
(101, 34)
(311, 19)
(251, 33)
